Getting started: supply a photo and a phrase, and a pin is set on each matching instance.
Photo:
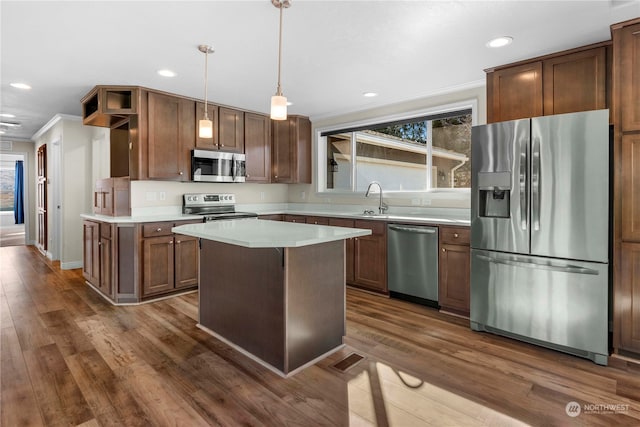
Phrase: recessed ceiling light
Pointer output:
(500, 41)
(20, 85)
(369, 94)
(10, 124)
(167, 73)
(7, 115)
(2, 132)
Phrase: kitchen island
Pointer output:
(274, 291)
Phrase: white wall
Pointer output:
(75, 185)
(26, 148)
(437, 199)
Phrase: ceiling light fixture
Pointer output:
(278, 101)
(369, 94)
(7, 115)
(21, 86)
(10, 124)
(500, 41)
(205, 126)
(166, 73)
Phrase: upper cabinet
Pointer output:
(230, 130)
(291, 150)
(257, 147)
(628, 57)
(563, 82)
(170, 136)
(107, 106)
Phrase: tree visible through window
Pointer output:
(7, 184)
(413, 155)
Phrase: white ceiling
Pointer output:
(333, 51)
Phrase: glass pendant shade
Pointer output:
(278, 107)
(205, 128)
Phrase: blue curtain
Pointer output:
(18, 202)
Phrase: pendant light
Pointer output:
(205, 126)
(278, 101)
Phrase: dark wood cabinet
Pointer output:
(272, 217)
(563, 82)
(295, 218)
(257, 147)
(317, 220)
(627, 42)
(349, 248)
(514, 92)
(627, 307)
(107, 106)
(370, 253)
(105, 283)
(171, 137)
(575, 82)
(454, 270)
(186, 258)
(169, 261)
(91, 252)
(230, 130)
(630, 171)
(112, 197)
(97, 265)
(626, 193)
(291, 150)
(212, 112)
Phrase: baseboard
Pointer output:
(70, 265)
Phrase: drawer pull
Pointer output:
(170, 242)
(444, 250)
(159, 230)
(455, 235)
(178, 242)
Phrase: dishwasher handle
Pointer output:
(421, 230)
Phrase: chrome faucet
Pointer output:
(383, 206)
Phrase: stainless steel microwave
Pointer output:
(217, 166)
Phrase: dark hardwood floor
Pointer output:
(70, 358)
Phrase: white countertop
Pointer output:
(259, 233)
(141, 219)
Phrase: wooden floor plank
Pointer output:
(70, 358)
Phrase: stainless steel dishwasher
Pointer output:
(412, 263)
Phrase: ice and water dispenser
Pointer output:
(494, 194)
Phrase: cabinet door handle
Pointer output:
(178, 242)
(170, 242)
(181, 173)
(444, 250)
(455, 235)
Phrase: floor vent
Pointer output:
(348, 362)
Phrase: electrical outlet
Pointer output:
(426, 202)
(262, 195)
(415, 202)
(163, 195)
(302, 195)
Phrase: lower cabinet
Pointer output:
(370, 253)
(97, 266)
(626, 294)
(454, 270)
(131, 262)
(169, 261)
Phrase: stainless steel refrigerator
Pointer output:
(540, 231)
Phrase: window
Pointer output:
(7, 183)
(417, 154)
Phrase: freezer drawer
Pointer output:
(557, 303)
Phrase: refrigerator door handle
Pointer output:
(524, 208)
(535, 184)
(567, 268)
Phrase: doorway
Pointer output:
(12, 199)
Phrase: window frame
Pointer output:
(321, 148)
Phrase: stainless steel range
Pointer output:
(213, 207)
